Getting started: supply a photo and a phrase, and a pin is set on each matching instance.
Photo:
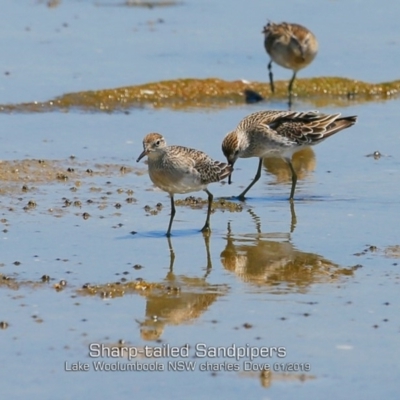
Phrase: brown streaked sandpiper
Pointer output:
(291, 46)
(178, 169)
(280, 133)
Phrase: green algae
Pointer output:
(211, 93)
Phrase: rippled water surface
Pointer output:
(319, 281)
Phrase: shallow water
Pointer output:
(320, 279)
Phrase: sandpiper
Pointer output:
(178, 169)
(280, 133)
(291, 46)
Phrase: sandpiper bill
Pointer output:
(178, 169)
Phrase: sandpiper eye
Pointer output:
(158, 142)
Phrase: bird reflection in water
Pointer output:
(270, 261)
(267, 378)
(186, 299)
(303, 161)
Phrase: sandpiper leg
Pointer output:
(294, 179)
(290, 87)
(291, 82)
(172, 215)
(206, 226)
(256, 178)
(271, 77)
(230, 178)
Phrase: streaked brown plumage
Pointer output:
(281, 133)
(178, 169)
(291, 46)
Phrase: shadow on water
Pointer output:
(269, 261)
(161, 234)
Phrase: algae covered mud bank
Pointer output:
(203, 93)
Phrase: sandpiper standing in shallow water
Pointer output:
(291, 46)
(282, 133)
(177, 169)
